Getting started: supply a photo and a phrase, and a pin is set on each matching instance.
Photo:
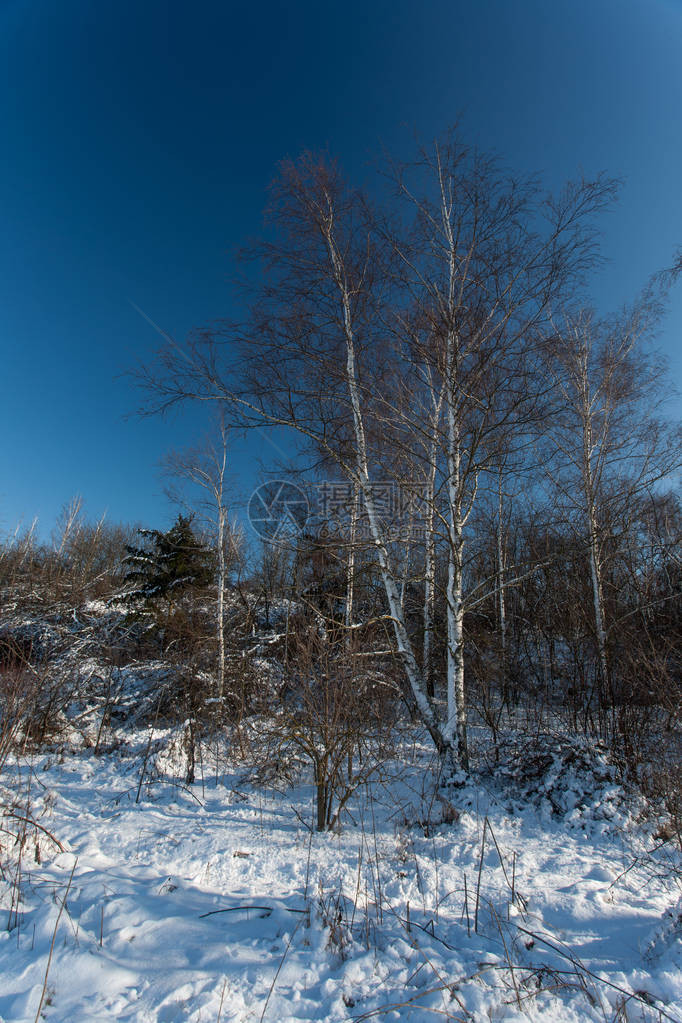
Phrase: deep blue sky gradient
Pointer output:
(138, 139)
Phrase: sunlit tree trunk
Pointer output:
(442, 738)
(430, 545)
(501, 601)
(350, 565)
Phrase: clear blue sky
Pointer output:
(138, 138)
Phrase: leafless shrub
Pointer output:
(337, 717)
(20, 830)
(17, 698)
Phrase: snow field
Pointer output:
(219, 903)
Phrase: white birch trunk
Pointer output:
(591, 514)
(598, 600)
(456, 719)
(350, 566)
(222, 565)
(430, 554)
(444, 745)
(221, 601)
(502, 611)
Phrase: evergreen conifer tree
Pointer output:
(168, 563)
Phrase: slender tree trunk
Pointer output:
(321, 798)
(350, 566)
(598, 601)
(502, 611)
(591, 514)
(456, 721)
(429, 603)
(221, 601)
(222, 561)
(430, 551)
(441, 738)
(406, 562)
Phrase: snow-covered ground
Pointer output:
(217, 903)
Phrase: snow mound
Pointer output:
(563, 776)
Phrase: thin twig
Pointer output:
(222, 995)
(480, 868)
(281, 964)
(54, 936)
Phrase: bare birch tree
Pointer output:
(486, 259)
(205, 467)
(489, 255)
(612, 446)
